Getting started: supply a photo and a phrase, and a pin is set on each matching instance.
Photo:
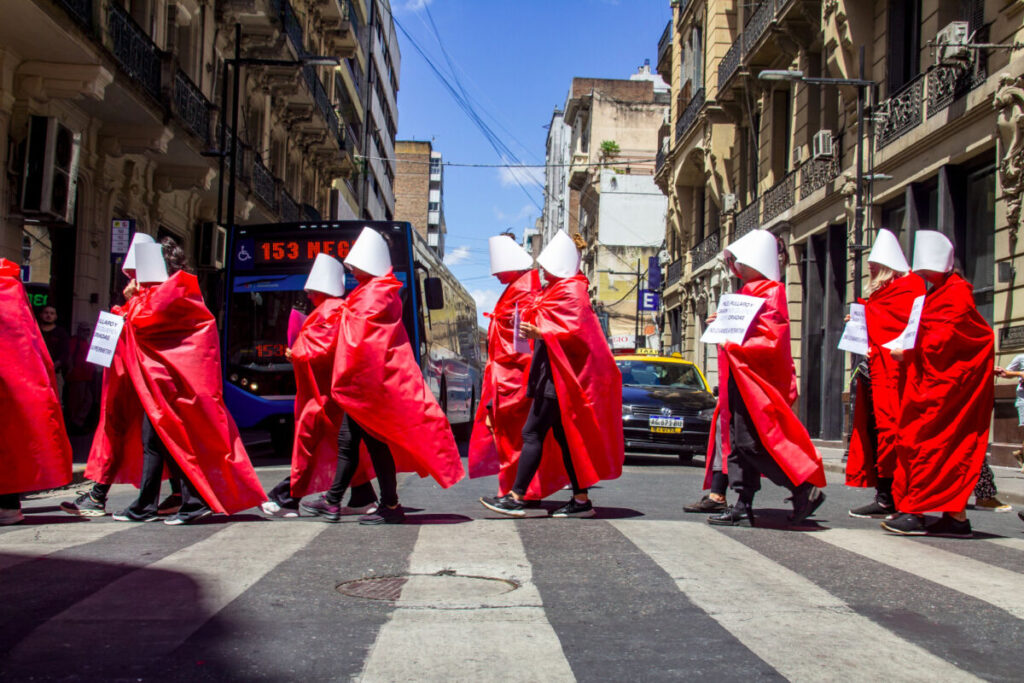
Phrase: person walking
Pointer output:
(1015, 370)
(947, 402)
(575, 386)
(35, 453)
(760, 434)
(378, 394)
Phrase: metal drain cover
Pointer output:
(444, 589)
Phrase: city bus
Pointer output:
(267, 267)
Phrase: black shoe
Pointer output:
(575, 508)
(905, 525)
(806, 499)
(504, 505)
(127, 515)
(384, 515)
(86, 505)
(706, 504)
(189, 517)
(947, 527)
(169, 505)
(734, 515)
(1021, 515)
(874, 509)
(321, 508)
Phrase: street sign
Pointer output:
(121, 232)
(648, 300)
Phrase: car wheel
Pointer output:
(685, 458)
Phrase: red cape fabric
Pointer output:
(169, 358)
(886, 311)
(588, 384)
(315, 451)
(763, 370)
(377, 382)
(947, 403)
(35, 453)
(504, 390)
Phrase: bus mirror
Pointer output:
(434, 293)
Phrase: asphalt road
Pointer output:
(642, 592)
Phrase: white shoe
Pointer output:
(272, 509)
(9, 517)
(363, 510)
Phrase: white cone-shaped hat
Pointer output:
(129, 258)
(507, 256)
(370, 253)
(561, 258)
(886, 252)
(149, 263)
(758, 249)
(932, 251)
(326, 276)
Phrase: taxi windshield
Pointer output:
(645, 373)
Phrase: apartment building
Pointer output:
(747, 147)
(419, 191)
(557, 156)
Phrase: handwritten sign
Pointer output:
(522, 345)
(908, 339)
(104, 339)
(735, 313)
(855, 334)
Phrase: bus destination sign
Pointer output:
(298, 249)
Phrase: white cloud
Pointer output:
(456, 256)
(485, 300)
(529, 176)
(414, 5)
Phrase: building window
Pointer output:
(904, 43)
(434, 206)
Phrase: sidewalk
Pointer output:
(1009, 480)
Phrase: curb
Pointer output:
(1005, 496)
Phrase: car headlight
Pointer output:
(627, 411)
(707, 413)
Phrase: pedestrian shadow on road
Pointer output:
(777, 518)
(437, 518)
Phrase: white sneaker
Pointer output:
(363, 510)
(272, 509)
(9, 517)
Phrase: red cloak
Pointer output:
(886, 312)
(503, 394)
(315, 451)
(588, 384)
(763, 370)
(378, 383)
(35, 453)
(169, 358)
(947, 403)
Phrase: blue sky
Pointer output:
(516, 60)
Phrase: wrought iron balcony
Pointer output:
(705, 250)
(79, 10)
(659, 162)
(746, 220)
(292, 27)
(758, 24)
(689, 115)
(730, 63)
(323, 102)
(780, 197)
(137, 54)
(263, 184)
(192, 107)
(902, 112)
(674, 272)
(290, 212)
(665, 45)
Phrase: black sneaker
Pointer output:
(504, 505)
(384, 515)
(575, 508)
(875, 509)
(127, 515)
(734, 515)
(190, 517)
(1021, 516)
(85, 505)
(905, 525)
(706, 504)
(806, 500)
(169, 505)
(321, 508)
(947, 527)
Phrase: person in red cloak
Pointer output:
(497, 438)
(575, 385)
(378, 394)
(171, 364)
(40, 457)
(947, 402)
(891, 291)
(314, 453)
(760, 434)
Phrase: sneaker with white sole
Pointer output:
(905, 525)
(349, 510)
(190, 517)
(575, 508)
(86, 505)
(127, 515)
(507, 505)
(9, 517)
(273, 509)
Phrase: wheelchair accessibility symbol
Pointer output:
(243, 254)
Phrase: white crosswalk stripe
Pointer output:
(1012, 543)
(506, 634)
(800, 629)
(29, 543)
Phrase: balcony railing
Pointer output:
(263, 184)
(705, 250)
(323, 102)
(659, 162)
(290, 212)
(816, 173)
(192, 106)
(674, 272)
(134, 51)
(757, 24)
(746, 220)
(665, 42)
(902, 112)
(80, 11)
(730, 63)
(292, 27)
(780, 197)
(689, 115)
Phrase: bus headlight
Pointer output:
(253, 387)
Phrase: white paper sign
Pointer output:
(104, 339)
(521, 345)
(735, 313)
(855, 334)
(908, 339)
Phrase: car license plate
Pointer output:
(666, 425)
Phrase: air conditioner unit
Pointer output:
(952, 42)
(213, 245)
(728, 202)
(821, 147)
(50, 174)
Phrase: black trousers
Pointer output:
(719, 482)
(749, 458)
(350, 436)
(361, 495)
(544, 416)
(10, 501)
(100, 491)
(154, 457)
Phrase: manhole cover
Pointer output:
(444, 589)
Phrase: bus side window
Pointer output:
(433, 293)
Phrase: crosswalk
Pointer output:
(474, 597)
